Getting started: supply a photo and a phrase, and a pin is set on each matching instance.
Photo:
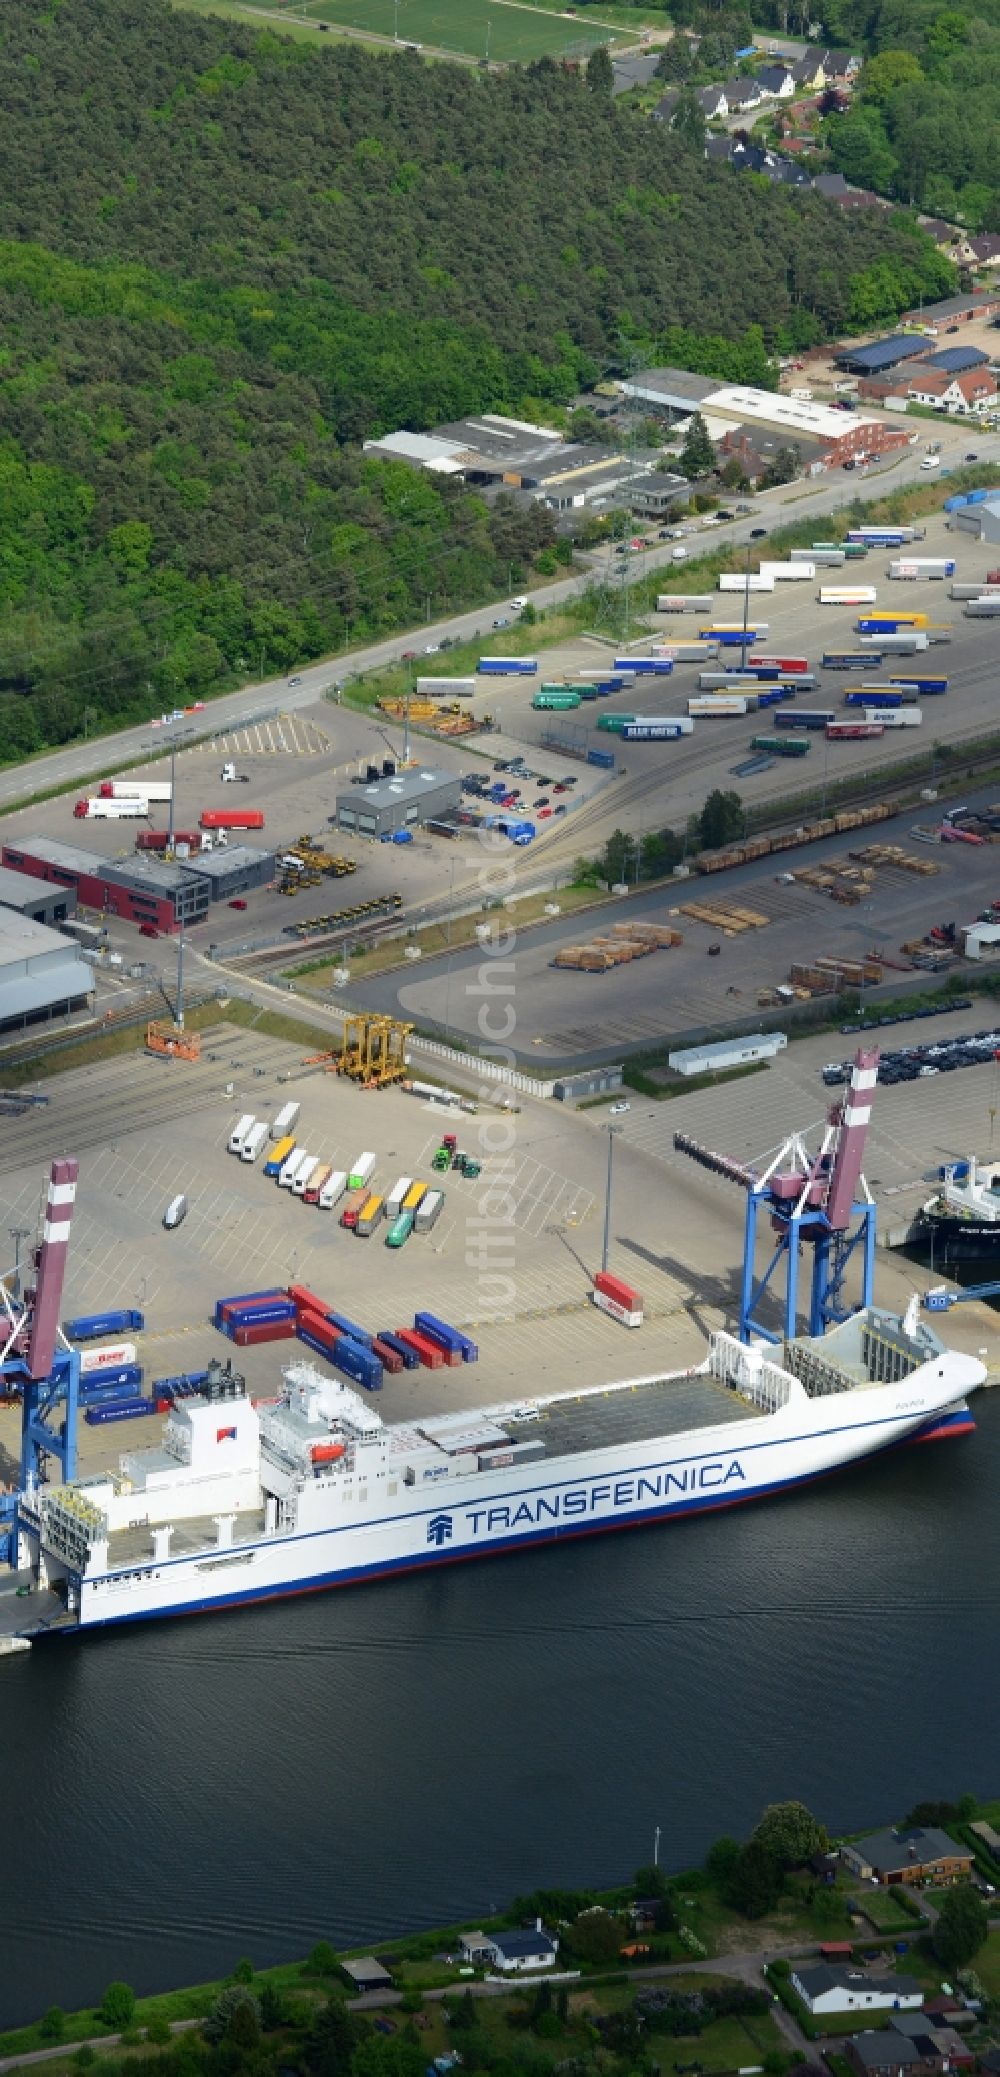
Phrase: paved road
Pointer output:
(64, 768)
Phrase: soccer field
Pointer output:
(514, 33)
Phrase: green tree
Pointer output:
(53, 2026)
(757, 1880)
(244, 1970)
(883, 75)
(791, 1833)
(961, 1927)
(331, 2040)
(783, 469)
(117, 2007)
(600, 72)
(322, 1960)
(595, 1937)
(697, 456)
(676, 60)
(721, 1859)
(235, 2016)
(721, 821)
(688, 121)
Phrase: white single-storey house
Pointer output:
(825, 1988)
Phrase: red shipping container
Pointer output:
(390, 1359)
(264, 1330)
(305, 1301)
(622, 1293)
(251, 1303)
(232, 818)
(321, 1330)
(431, 1356)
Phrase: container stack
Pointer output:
(256, 1316)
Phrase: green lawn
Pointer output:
(515, 33)
(884, 1912)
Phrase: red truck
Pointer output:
(231, 818)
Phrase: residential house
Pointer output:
(969, 394)
(512, 1953)
(832, 185)
(809, 73)
(826, 1988)
(776, 81)
(885, 2054)
(741, 95)
(911, 1853)
(935, 2038)
(985, 250)
(713, 102)
(368, 1974)
(840, 67)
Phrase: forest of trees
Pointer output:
(923, 125)
(226, 259)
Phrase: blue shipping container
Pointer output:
(302, 1334)
(604, 758)
(124, 1410)
(447, 1337)
(358, 1364)
(411, 1361)
(348, 1327)
(91, 1326)
(120, 1384)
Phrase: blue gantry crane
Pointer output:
(37, 1365)
(804, 1199)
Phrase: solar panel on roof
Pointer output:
(882, 353)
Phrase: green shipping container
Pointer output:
(400, 1230)
(614, 723)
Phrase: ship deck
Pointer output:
(195, 1535)
(636, 1413)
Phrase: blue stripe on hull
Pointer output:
(957, 1423)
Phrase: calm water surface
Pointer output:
(415, 1752)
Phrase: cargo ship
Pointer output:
(961, 1222)
(244, 1502)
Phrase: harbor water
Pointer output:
(416, 1752)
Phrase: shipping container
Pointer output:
(889, 623)
(507, 666)
(429, 1210)
(903, 644)
(986, 608)
(361, 1171)
(894, 717)
(343, 1325)
(684, 602)
(279, 1155)
(613, 724)
(604, 759)
(788, 572)
(921, 686)
(847, 595)
(306, 1301)
(820, 558)
(718, 706)
(557, 700)
(409, 1357)
(691, 652)
(243, 1298)
(159, 839)
(333, 1190)
(240, 1132)
(450, 1338)
(781, 746)
(646, 666)
(390, 1359)
(729, 581)
(414, 1196)
(289, 1169)
(135, 789)
(119, 1410)
(400, 1230)
(854, 731)
(429, 1353)
(304, 1174)
(111, 1357)
(792, 666)
(286, 1120)
(805, 717)
(358, 1363)
(449, 688)
(887, 536)
(110, 1386)
(255, 1142)
(92, 1326)
(394, 1201)
(970, 591)
(248, 1336)
(321, 1174)
(849, 660)
(876, 696)
(729, 681)
(933, 567)
(368, 1217)
(231, 818)
(110, 811)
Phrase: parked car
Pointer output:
(615, 1110)
(148, 930)
(971, 457)
(500, 623)
(518, 605)
(238, 903)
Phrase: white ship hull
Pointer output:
(714, 1467)
(312, 1490)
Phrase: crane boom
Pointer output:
(852, 1133)
(51, 1266)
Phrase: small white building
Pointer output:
(513, 1953)
(725, 1053)
(826, 1989)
